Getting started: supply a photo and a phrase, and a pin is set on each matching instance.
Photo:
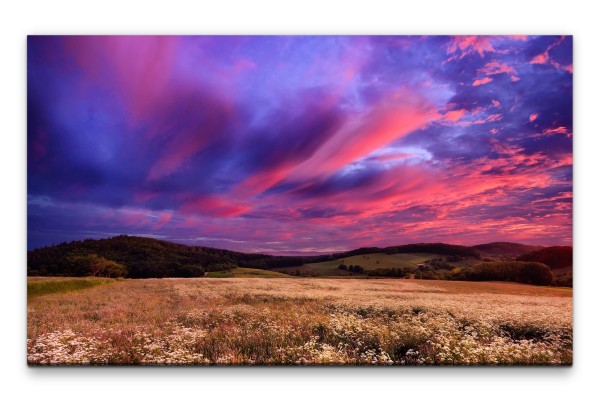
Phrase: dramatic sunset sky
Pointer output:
(300, 145)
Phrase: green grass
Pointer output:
(37, 287)
(382, 260)
(322, 269)
(368, 262)
(243, 272)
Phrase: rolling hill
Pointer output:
(244, 272)
(369, 261)
(505, 249)
(556, 257)
(141, 257)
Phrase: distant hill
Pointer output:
(505, 248)
(556, 257)
(437, 248)
(141, 257)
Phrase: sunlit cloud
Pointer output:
(300, 144)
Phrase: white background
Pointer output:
(19, 19)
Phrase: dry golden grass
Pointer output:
(302, 321)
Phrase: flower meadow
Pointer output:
(301, 321)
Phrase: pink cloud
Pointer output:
(474, 117)
(131, 217)
(450, 197)
(558, 130)
(139, 82)
(454, 115)
(504, 149)
(482, 81)
(389, 121)
(263, 180)
(136, 218)
(533, 117)
(214, 206)
(150, 90)
(206, 115)
(386, 193)
(174, 155)
(395, 117)
(496, 67)
(540, 58)
(493, 117)
(544, 58)
(512, 170)
(390, 157)
(162, 219)
(470, 44)
(492, 68)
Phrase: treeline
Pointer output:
(140, 258)
(517, 272)
(390, 272)
(271, 262)
(506, 248)
(437, 248)
(147, 257)
(75, 264)
(555, 257)
(352, 268)
(560, 261)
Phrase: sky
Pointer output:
(301, 144)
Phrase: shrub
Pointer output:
(520, 272)
(356, 269)
(564, 280)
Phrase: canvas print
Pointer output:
(299, 200)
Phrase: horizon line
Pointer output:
(277, 253)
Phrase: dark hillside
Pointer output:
(555, 257)
(142, 257)
(437, 248)
(505, 248)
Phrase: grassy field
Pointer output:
(368, 262)
(301, 321)
(323, 269)
(379, 260)
(37, 286)
(243, 272)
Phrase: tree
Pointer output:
(356, 269)
(520, 272)
(113, 269)
(98, 266)
(190, 270)
(535, 273)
